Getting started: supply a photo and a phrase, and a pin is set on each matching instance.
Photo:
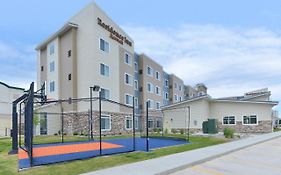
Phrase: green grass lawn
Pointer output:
(9, 163)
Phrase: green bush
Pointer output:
(228, 132)
(158, 131)
(154, 129)
(75, 133)
(174, 131)
(166, 131)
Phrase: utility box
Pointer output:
(210, 126)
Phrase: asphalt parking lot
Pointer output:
(260, 159)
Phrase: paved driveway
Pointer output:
(261, 159)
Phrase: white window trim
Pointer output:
(152, 87)
(156, 105)
(151, 103)
(137, 123)
(136, 81)
(125, 99)
(152, 123)
(159, 79)
(136, 104)
(176, 95)
(105, 41)
(249, 116)
(229, 124)
(125, 79)
(128, 129)
(151, 71)
(131, 59)
(137, 67)
(109, 92)
(109, 122)
(108, 70)
(159, 90)
(165, 83)
(166, 98)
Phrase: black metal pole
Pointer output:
(147, 139)
(15, 129)
(188, 123)
(134, 127)
(91, 112)
(20, 125)
(62, 123)
(100, 120)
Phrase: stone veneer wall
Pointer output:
(262, 127)
(79, 122)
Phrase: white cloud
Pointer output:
(229, 60)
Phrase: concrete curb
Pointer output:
(212, 157)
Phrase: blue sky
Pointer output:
(232, 46)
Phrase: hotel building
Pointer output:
(91, 49)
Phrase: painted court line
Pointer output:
(66, 149)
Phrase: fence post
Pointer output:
(100, 120)
(134, 127)
(147, 139)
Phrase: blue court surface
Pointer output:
(113, 146)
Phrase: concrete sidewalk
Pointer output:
(179, 161)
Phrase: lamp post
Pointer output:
(96, 89)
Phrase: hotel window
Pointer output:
(158, 124)
(129, 122)
(136, 85)
(105, 123)
(180, 98)
(166, 95)
(69, 53)
(129, 100)
(180, 87)
(157, 75)
(104, 70)
(149, 71)
(229, 120)
(166, 83)
(105, 93)
(52, 86)
(150, 104)
(157, 90)
(150, 87)
(42, 68)
(69, 77)
(136, 67)
(52, 66)
(150, 123)
(128, 79)
(52, 49)
(250, 120)
(176, 97)
(104, 45)
(43, 123)
(157, 104)
(136, 122)
(136, 102)
(176, 85)
(128, 59)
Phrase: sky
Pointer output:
(232, 46)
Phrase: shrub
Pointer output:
(56, 134)
(154, 129)
(174, 131)
(158, 131)
(75, 133)
(228, 132)
(166, 131)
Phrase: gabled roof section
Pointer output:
(187, 101)
(61, 31)
(11, 87)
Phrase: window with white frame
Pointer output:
(52, 66)
(52, 49)
(105, 93)
(150, 104)
(105, 123)
(129, 99)
(157, 104)
(150, 123)
(180, 87)
(128, 79)
(157, 75)
(136, 102)
(180, 98)
(175, 85)
(129, 122)
(229, 120)
(149, 71)
(104, 45)
(250, 120)
(157, 90)
(166, 95)
(136, 67)
(150, 87)
(158, 124)
(128, 59)
(176, 97)
(136, 85)
(166, 82)
(52, 86)
(104, 70)
(136, 122)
